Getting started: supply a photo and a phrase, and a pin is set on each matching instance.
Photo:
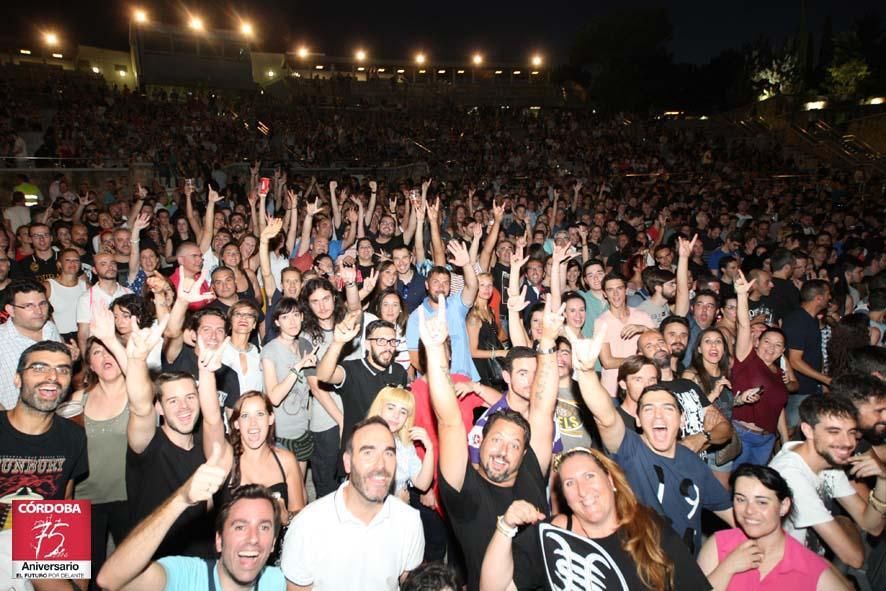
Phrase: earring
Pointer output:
(614, 489)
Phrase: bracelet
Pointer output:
(134, 241)
(878, 505)
(503, 528)
(541, 351)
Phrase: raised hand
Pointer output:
(741, 285)
(583, 232)
(560, 254)
(392, 204)
(140, 223)
(333, 185)
(141, 191)
(517, 302)
(353, 216)
(84, 201)
(552, 321)
(498, 210)
(189, 289)
(425, 185)
(348, 329)
(313, 209)
(369, 282)
(252, 197)
(373, 186)
(433, 330)
(102, 324)
(207, 479)
(214, 197)
(143, 340)
(210, 359)
(434, 211)
(348, 274)
(73, 349)
(476, 231)
(460, 255)
(585, 352)
(684, 247)
(271, 229)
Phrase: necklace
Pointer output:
(245, 349)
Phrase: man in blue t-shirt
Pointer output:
(248, 528)
(667, 477)
(457, 306)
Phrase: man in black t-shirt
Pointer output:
(42, 454)
(160, 460)
(515, 454)
(41, 265)
(359, 380)
(803, 343)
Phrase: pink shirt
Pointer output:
(799, 569)
(618, 346)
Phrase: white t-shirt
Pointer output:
(811, 492)
(327, 548)
(98, 297)
(18, 215)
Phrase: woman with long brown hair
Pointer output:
(628, 544)
(485, 334)
(250, 453)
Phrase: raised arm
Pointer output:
(138, 224)
(336, 209)
(213, 422)
(78, 214)
(684, 250)
(497, 573)
(130, 566)
(101, 326)
(142, 423)
(558, 277)
(209, 220)
(438, 252)
(346, 331)
(188, 292)
(595, 396)
(191, 213)
(311, 209)
(452, 438)
(370, 207)
(264, 256)
(461, 258)
(544, 388)
(291, 208)
(743, 344)
(498, 212)
(418, 247)
(518, 297)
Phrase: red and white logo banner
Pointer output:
(51, 540)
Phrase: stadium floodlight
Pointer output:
(420, 58)
(360, 55)
(537, 60)
(195, 23)
(246, 29)
(477, 59)
(302, 52)
(51, 39)
(140, 15)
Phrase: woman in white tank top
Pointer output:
(64, 290)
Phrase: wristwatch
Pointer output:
(541, 351)
(707, 436)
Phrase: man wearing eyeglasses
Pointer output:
(41, 454)
(42, 264)
(28, 323)
(359, 380)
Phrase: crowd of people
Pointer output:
(575, 357)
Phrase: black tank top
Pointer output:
(278, 490)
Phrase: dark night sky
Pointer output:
(449, 30)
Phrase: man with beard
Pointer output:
(28, 311)
(457, 305)
(868, 394)
(105, 291)
(518, 370)
(702, 423)
(815, 469)
(237, 225)
(359, 380)
(159, 460)
(410, 283)
(514, 457)
(245, 534)
(80, 241)
(759, 302)
(359, 536)
(41, 454)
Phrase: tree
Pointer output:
(849, 68)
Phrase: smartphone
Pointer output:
(264, 185)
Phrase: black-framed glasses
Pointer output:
(31, 306)
(383, 341)
(46, 369)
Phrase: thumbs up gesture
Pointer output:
(207, 479)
